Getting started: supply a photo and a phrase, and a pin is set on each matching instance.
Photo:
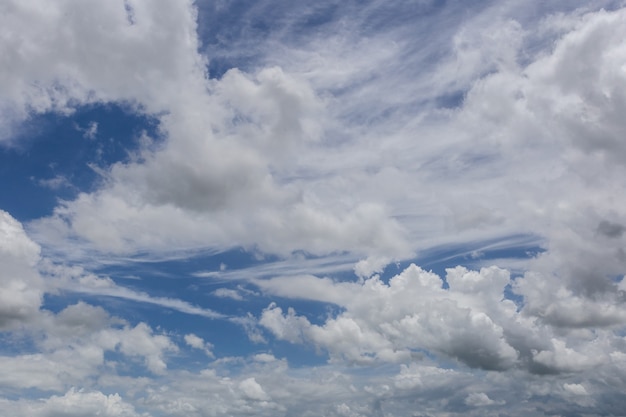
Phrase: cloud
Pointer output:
(611, 230)
(90, 131)
(71, 347)
(21, 289)
(197, 342)
(546, 296)
(227, 293)
(56, 70)
(387, 322)
(74, 403)
(77, 280)
(477, 399)
(195, 191)
(252, 390)
(471, 321)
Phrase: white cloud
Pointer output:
(140, 341)
(21, 286)
(71, 347)
(197, 342)
(91, 130)
(253, 390)
(471, 321)
(194, 341)
(365, 268)
(548, 297)
(55, 183)
(57, 54)
(386, 322)
(227, 293)
(477, 399)
(74, 403)
(76, 279)
(575, 389)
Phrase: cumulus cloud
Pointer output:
(477, 399)
(71, 347)
(388, 322)
(252, 390)
(57, 70)
(74, 403)
(224, 139)
(471, 320)
(21, 289)
(197, 342)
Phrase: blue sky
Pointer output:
(229, 208)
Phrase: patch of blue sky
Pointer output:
(57, 301)
(298, 356)
(128, 365)
(14, 394)
(56, 155)
(451, 100)
(16, 343)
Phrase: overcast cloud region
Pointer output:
(355, 209)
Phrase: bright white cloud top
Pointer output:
(229, 208)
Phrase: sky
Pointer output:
(333, 208)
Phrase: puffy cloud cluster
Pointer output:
(226, 141)
(71, 348)
(21, 287)
(72, 53)
(471, 320)
(75, 403)
(70, 345)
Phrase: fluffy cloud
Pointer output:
(478, 399)
(471, 321)
(75, 403)
(228, 144)
(198, 343)
(21, 287)
(412, 312)
(71, 347)
(252, 390)
(61, 58)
